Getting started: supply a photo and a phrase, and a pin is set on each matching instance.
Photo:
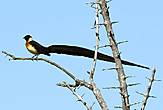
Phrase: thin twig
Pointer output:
(97, 38)
(119, 87)
(78, 84)
(112, 87)
(92, 3)
(129, 76)
(114, 22)
(108, 1)
(79, 97)
(133, 84)
(154, 79)
(109, 45)
(122, 42)
(145, 94)
(129, 104)
(92, 104)
(135, 103)
(148, 89)
(110, 68)
(117, 106)
(104, 46)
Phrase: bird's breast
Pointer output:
(31, 48)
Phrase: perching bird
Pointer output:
(36, 49)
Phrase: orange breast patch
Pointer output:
(27, 44)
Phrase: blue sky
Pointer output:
(31, 85)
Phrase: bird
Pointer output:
(37, 49)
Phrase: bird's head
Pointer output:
(28, 38)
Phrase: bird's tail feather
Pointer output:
(79, 51)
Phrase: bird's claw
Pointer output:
(33, 58)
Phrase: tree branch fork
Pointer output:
(78, 83)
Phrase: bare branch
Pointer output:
(148, 89)
(129, 76)
(109, 45)
(92, 27)
(145, 94)
(82, 95)
(108, 1)
(79, 97)
(97, 38)
(78, 82)
(140, 93)
(112, 87)
(101, 24)
(129, 104)
(135, 103)
(153, 79)
(63, 85)
(115, 22)
(104, 45)
(96, 91)
(119, 87)
(92, 3)
(7, 54)
(48, 61)
(116, 55)
(110, 68)
(152, 96)
(117, 106)
(92, 104)
(122, 42)
(133, 84)
(98, 96)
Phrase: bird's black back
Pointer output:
(40, 49)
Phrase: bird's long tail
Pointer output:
(79, 51)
